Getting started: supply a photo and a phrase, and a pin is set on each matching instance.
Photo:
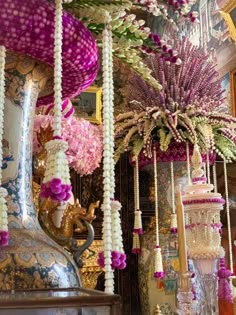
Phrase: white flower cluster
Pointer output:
(158, 265)
(129, 23)
(3, 192)
(131, 57)
(57, 165)
(173, 221)
(108, 151)
(103, 13)
(95, 14)
(117, 241)
(3, 210)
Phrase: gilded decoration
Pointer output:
(229, 14)
(90, 270)
(60, 222)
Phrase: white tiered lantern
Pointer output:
(202, 212)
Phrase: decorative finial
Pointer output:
(197, 163)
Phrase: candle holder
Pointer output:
(185, 295)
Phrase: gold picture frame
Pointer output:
(229, 14)
(233, 91)
(88, 104)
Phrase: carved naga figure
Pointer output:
(60, 221)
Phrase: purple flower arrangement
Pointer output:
(189, 108)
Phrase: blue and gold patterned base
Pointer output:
(32, 260)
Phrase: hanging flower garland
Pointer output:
(56, 183)
(159, 273)
(173, 224)
(4, 234)
(138, 228)
(84, 140)
(113, 255)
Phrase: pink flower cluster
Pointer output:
(84, 140)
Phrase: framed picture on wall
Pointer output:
(233, 91)
(229, 14)
(88, 104)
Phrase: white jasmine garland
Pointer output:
(57, 166)
(108, 188)
(231, 265)
(3, 191)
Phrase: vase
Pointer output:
(207, 286)
(32, 259)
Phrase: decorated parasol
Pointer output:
(28, 28)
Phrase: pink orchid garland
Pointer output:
(84, 140)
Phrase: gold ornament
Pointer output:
(157, 310)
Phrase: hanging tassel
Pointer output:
(56, 183)
(136, 244)
(158, 273)
(173, 225)
(138, 228)
(188, 162)
(224, 289)
(4, 234)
